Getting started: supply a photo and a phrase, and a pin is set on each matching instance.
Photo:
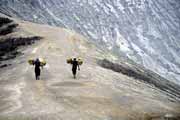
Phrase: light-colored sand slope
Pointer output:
(96, 94)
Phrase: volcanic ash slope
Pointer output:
(97, 93)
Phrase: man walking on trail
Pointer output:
(37, 69)
(75, 64)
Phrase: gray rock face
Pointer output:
(146, 31)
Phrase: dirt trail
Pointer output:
(96, 94)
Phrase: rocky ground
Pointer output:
(97, 93)
(11, 39)
(138, 72)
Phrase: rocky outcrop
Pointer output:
(4, 21)
(7, 26)
(144, 75)
(8, 29)
(10, 44)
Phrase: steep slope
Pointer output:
(146, 31)
(11, 38)
(97, 93)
